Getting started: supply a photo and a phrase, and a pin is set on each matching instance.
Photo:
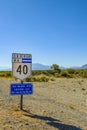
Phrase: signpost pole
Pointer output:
(21, 99)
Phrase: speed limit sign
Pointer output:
(21, 65)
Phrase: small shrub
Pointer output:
(74, 90)
(83, 73)
(79, 82)
(45, 72)
(38, 79)
(70, 71)
(31, 79)
(65, 74)
(56, 74)
(71, 106)
(2, 74)
(83, 89)
(43, 79)
(52, 79)
(36, 72)
(8, 74)
(5, 74)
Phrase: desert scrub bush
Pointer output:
(5, 74)
(43, 79)
(84, 74)
(79, 82)
(77, 74)
(52, 79)
(30, 79)
(37, 79)
(8, 74)
(71, 106)
(36, 72)
(52, 72)
(56, 74)
(2, 74)
(81, 73)
(64, 73)
(83, 89)
(71, 71)
(45, 72)
(74, 90)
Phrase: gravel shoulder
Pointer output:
(57, 105)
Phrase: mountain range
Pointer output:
(37, 66)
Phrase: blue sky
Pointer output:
(53, 31)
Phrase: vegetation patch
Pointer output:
(50, 75)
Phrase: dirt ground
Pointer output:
(57, 105)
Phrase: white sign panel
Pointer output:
(21, 65)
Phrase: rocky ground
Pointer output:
(57, 105)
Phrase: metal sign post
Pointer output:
(21, 69)
(21, 99)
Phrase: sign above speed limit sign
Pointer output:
(21, 65)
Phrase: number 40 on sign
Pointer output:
(21, 65)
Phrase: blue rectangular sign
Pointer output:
(21, 89)
(26, 60)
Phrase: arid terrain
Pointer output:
(55, 105)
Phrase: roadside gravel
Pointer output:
(57, 105)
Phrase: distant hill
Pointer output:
(84, 66)
(81, 67)
(37, 66)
